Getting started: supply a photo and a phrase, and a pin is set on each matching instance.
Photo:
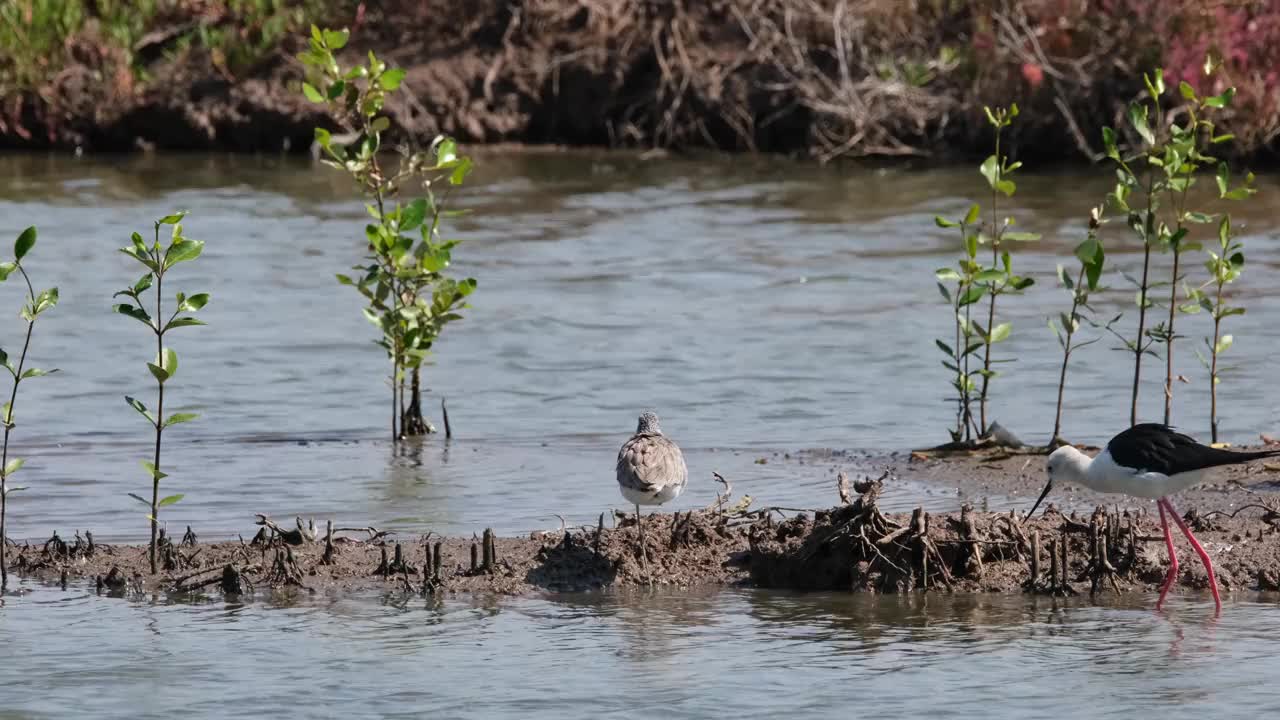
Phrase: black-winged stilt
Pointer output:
(1149, 460)
(651, 469)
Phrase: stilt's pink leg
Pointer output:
(1173, 556)
(1195, 544)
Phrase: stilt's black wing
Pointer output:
(1153, 447)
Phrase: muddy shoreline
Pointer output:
(889, 81)
(853, 546)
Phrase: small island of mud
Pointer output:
(853, 546)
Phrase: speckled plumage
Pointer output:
(651, 468)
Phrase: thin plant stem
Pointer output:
(1168, 348)
(8, 427)
(1066, 354)
(1148, 229)
(991, 308)
(159, 423)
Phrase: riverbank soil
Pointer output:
(828, 79)
(853, 546)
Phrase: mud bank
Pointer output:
(850, 547)
(822, 80)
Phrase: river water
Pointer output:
(762, 307)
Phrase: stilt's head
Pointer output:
(1065, 464)
(648, 424)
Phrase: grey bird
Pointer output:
(651, 469)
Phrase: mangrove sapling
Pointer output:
(1172, 156)
(961, 299)
(1224, 265)
(158, 260)
(998, 279)
(36, 303)
(1091, 255)
(410, 299)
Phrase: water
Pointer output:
(680, 655)
(761, 307)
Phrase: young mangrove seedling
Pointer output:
(1224, 265)
(1172, 155)
(998, 279)
(158, 260)
(410, 299)
(36, 303)
(960, 297)
(1092, 257)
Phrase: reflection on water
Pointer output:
(681, 654)
(761, 306)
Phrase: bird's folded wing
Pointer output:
(648, 464)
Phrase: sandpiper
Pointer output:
(651, 469)
(1149, 460)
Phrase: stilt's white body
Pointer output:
(1105, 475)
(1153, 462)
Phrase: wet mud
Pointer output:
(853, 546)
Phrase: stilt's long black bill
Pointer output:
(1047, 487)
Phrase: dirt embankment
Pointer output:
(853, 546)
(821, 79)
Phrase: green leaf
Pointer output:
(151, 469)
(158, 372)
(1156, 86)
(24, 243)
(143, 283)
(169, 361)
(972, 216)
(16, 463)
(946, 274)
(1222, 100)
(1188, 92)
(937, 220)
(945, 348)
(971, 245)
(183, 322)
(36, 372)
(1138, 119)
(988, 276)
(990, 170)
(412, 215)
(6, 269)
(380, 124)
(335, 39)
(170, 500)
(173, 219)
(1224, 342)
(1007, 187)
(139, 499)
(312, 93)
(182, 251)
(1109, 142)
(177, 418)
(391, 79)
(1000, 332)
(323, 138)
(946, 294)
(135, 312)
(972, 294)
(1021, 236)
(193, 303)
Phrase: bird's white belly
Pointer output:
(659, 496)
(1106, 476)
